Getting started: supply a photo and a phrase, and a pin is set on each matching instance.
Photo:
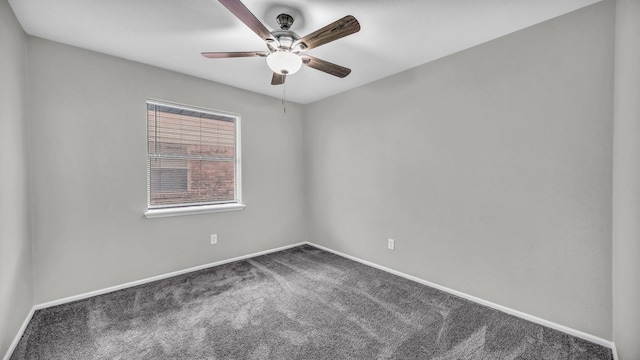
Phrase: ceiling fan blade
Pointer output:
(334, 31)
(325, 66)
(278, 79)
(222, 55)
(241, 12)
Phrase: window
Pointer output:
(193, 160)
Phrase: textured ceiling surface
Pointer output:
(396, 34)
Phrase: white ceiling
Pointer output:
(396, 34)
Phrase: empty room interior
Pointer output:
(452, 155)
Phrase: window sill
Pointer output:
(192, 210)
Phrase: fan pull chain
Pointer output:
(284, 94)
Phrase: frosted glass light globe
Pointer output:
(284, 62)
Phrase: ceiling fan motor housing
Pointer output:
(285, 38)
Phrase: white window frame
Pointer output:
(236, 205)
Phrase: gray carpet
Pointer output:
(302, 303)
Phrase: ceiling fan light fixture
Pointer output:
(284, 62)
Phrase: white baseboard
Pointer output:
(533, 319)
(614, 351)
(16, 339)
(158, 277)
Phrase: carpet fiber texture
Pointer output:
(301, 303)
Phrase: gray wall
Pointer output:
(16, 294)
(88, 146)
(626, 187)
(491, 169)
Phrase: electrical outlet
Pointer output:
(214, 239)
(392, 244)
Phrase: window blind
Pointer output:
(191, 156)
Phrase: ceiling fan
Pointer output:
(287, 50)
